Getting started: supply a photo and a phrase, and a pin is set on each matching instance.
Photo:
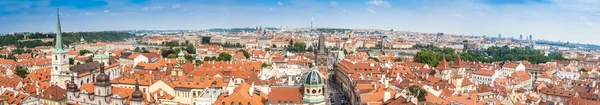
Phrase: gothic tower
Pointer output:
(60, 63)
(321, 58)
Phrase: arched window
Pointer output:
(248, 103)
(314, 91)
(56, 57)
(64, 56)
(307, 91)
(319, 90)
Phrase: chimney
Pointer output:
(386, 96)
(375, 85)
(251, 89)
(386, 83)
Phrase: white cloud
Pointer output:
(149, 8)
(371, 10)
(280, 3)
(379, 3)
(87, 14)
(105, 11)
(270, 10)
(333, 4)
(176, 6)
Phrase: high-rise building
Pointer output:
(530, 37)
(499, 35)
(521, 37)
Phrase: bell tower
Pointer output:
(60, 63)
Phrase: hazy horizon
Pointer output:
(565, 20)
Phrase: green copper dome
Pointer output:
(102, 55)
(313, 77)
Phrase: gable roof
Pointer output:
(54, 93)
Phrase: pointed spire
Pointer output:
(458, 63)
(137, 85)
(58, 48)
(443, 65)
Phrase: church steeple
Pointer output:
(58, 48)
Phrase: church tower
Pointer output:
(321, 53)
(178, 67)
(137, 98)
(60, 63)
(102, 86)
(72, 90)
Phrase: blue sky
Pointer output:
(565, 20)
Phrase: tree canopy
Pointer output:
(432, 55)
(68, 38)
(297, 47)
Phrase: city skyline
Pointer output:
(544, 19)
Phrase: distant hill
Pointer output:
(68, 38)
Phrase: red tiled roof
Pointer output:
(443, 65)
(54, 93)
(290, 95)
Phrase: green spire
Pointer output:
(197, 55)
(58, 48)
(181, 54)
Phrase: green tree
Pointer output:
(78, 63)
(81, 52)
(171, 56)
(274, 46)
(265, 65)
(207, 59)
(21, 71)
(206, 40)
(246, 54)
(267, 49)
(189, 57)
(583, 70)
(375, 59)
(137, 49)
(345, 52)
(419, 92)
(190, 49)
(557, 56)
(224, 57)
(398, 59)
(71, 61)
(428, 57)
